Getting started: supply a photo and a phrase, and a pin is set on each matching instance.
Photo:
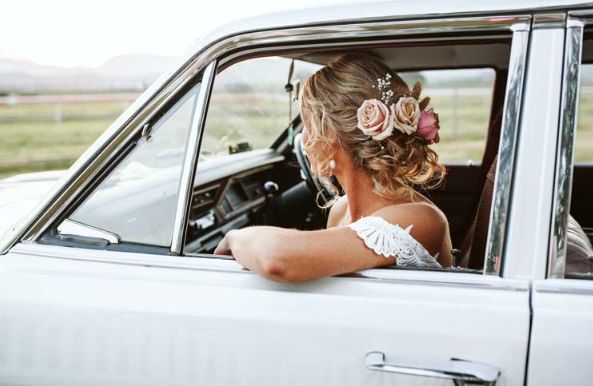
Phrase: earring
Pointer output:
(332, 164)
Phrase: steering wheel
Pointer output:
(323, 195)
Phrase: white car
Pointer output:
(110, 277)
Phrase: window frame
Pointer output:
(563, 173)
(513, 101)
(351, 33)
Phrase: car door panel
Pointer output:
(562, 334)
(561, 343)
(154, 320)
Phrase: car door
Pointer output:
(85, 311)
(562, 332)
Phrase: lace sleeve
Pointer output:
(390, 240)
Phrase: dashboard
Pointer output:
(227, 204)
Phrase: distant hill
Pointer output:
(136, 72)
(125, 72)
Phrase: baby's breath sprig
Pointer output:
(384, 85)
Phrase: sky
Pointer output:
(86, 33)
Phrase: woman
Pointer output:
(363, 125)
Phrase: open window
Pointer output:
(258, 181)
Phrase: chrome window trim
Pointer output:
(209, 264)
(103, 150)
(549, 20)
(507, 149)
(562, 286)
(584, 16)
(191, 159)
(565, 147)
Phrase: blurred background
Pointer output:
(68, 69)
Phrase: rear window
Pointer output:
(463, 99)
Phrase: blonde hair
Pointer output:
(330, 99)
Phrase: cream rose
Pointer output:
(375, 119)
(406, 115)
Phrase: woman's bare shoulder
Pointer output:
(337, 212)
(429, 224)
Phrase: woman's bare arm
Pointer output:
(295, 256)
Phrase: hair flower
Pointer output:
(375, 119)
(428, 126)
(407, 113)
(378, 117)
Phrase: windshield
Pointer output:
(250, 107)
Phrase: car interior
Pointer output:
(275, 193)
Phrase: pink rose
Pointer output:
(374, 119)
(428, 126)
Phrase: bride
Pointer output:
(365, 126)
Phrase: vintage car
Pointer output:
(111, 279)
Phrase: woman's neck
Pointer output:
(362, 200)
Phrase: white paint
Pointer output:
(66, 321)
(529, 222)
(562, 333)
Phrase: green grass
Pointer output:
(38, 146)
(30, 139)
(46, 112)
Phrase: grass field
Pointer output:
(31, 140)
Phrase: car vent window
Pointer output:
(136, 202)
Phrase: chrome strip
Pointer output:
(549, 20)
(584, 16)
(208, 263)
(565, 148)
(566, 291)
(460, 371)
(506, 153)
(364, 30)
(93, 161)
(189, 163)
(561, 286)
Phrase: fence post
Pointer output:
(58, 113)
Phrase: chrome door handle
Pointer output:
(459, 371)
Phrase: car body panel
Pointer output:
(20, 194)
(562, 333)
(210, 322)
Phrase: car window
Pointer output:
(136, 202)
(583, 149)
(236, 191)
(250, 106)
(463, 98)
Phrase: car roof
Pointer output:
(383, 10)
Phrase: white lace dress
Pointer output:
(391, 240)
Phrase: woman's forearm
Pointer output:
(262, 250)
